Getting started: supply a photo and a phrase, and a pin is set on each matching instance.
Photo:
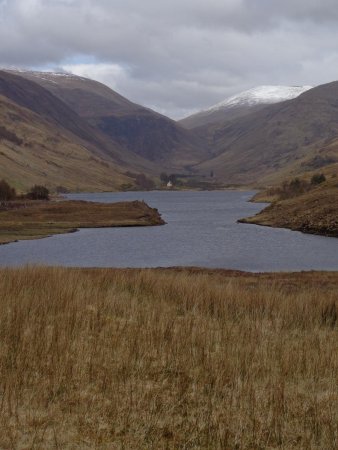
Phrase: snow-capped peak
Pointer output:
(262, 95)
(43, 75)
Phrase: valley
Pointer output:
(75, 134)
(168, 225)
(257, 138)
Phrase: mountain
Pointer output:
(244, 103)
(42, 140)
(280, 140)
(140, 130)
(32, 151)
(61, 129)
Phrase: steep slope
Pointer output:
(242, 104)
(287, 138)
(67, 150)
(35, 97)
(33, 151)
(138, 129)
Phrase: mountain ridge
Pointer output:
(45, 122)
(243, 103)
(283, 139)
(140, 130)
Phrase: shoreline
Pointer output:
(314, 212)
(45, 219)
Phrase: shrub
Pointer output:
(6, 192)
(9, 136)
(292, 189)
(318, 178)
(38, 192)
(173, 178)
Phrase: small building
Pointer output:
(169, 184)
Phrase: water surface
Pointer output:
(201, 231)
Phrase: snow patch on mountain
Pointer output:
(47, 76)
(261, 95)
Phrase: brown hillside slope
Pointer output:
(42, 153)
(203, 118)
(313, 212)
(30, 94)
(139, 129)
(61, 119)
(288, 138)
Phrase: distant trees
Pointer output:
(38, 192)
(296, 186)
(7, 193)
(144, 182)
(165, 178)
(173, 178)
(140, 180)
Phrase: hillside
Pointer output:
(55, 146)
(284, 139)
(33, 151)
(261, 148)
(242, 104)
(315, 211)
(140, 130)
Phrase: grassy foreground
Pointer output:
(167, 359)
(33, 220)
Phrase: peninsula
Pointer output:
(38, 219)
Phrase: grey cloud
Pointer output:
(175, 56)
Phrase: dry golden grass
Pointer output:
(167, 359)
(41, 219)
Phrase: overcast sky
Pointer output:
(176, 56)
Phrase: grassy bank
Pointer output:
(167, 359)
(315, 211)
(31, 220)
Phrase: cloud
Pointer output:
(175, 56)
